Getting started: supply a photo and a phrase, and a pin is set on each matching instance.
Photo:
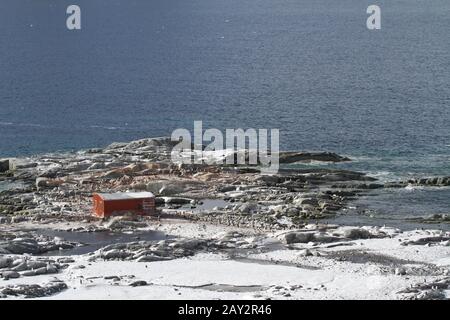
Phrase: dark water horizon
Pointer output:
(310, 68)
(141, 69)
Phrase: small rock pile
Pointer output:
(12, 267)
(33, 290)
(32, 244)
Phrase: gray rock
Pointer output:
(21, 267)
(21, 246)
(173, 200)
(36, 264)
(189, 244)
(139, 283)
(44, 182)
(297, 237)
(29, 273)
(40, 271)
(306, 201)
(323, 237)
(51, 269)
(357, 233)
(291, 157)
(34, 290)
(4, 165)
(400, 271)
(5, 262)
(115, 254)
(10, 275)
(66, 260)
(150, 258)
(248, 208)
(305, 253)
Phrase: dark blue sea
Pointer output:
(142, 68)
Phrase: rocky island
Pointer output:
(225, 232)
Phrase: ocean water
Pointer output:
(311, 68)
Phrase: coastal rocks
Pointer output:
(176, 200)
(305, 201)
(34, 290)
(297, 237)
(32, 246)
(292, 157)
(48, 183)
(435, 181)
(434, 218)
(171, 188)
(400, 271)
(9, 275)
(428, 291)
(189, 244)
(65, 183)
(330, 234)
(358, 186)
(124, 222)
(138, 283)
(145, 251)
(27, 267)
(21, 246)
(428, 241)
(248, 208)
(354, 233)
(5, 262)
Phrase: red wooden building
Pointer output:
(110, 204)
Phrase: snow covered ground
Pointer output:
(377, 268)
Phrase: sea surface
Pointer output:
(311, 68)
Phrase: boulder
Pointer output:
(174, 200)
(5, 262)
(305, 201)
(40, 271)
(43, 182)
(248, 208)
(305, 253)
(21, 246)
(21, 267)
(36, 264)
(150, 258)
(189, 244)
(51, 269)
(291, 157)
(297, 237)
(356, 233)
(139, 283)
(167, 188)
(10, 275)
(116, 254)
(4, 165)
(34, 290)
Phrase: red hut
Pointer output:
(110, 204)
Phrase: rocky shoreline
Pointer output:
(211, 218)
